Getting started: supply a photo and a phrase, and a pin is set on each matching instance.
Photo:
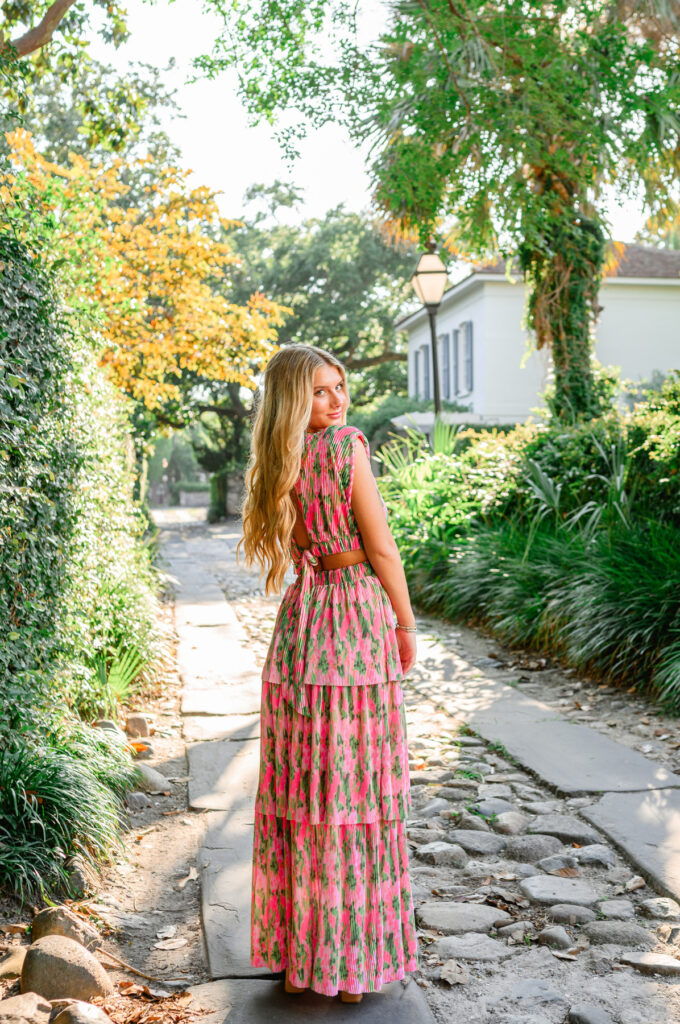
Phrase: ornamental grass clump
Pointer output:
(57, 800)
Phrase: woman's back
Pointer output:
(335, 627)
(324, 489)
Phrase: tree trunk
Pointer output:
(563, 274)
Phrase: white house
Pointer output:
(487, 364)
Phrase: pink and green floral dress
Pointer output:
(331, 895)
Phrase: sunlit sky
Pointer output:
(216, 140)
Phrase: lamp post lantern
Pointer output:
(429, 282)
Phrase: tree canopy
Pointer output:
(28, 27)
(147, 272)
(500, 126)
(343, 278)
(48, 76)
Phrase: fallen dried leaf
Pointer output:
(138, 1004)
(562, 954)
(191, 877)
(454, 973)
(636, 882)
(566, 872)
(170, 944)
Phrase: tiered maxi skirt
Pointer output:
(331, 894)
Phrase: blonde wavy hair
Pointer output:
(276, 443)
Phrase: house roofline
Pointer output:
(458, 289)
(480, 277)
(663, 282)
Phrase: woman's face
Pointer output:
(330, 400)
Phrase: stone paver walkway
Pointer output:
(543, 853)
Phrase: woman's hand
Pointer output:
(406, 642)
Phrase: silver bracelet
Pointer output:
(407, 629)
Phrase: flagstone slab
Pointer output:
(453, 918)
(223, 775)
(263, 1001)
(573, 759)
(554, 889)
(225, 880)
(646, 828)
(200, 728)
(223, 700)
(213, 655)
(210, 611)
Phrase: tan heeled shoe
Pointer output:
(351, 997)
(290, 988)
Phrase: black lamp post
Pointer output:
(429, 282)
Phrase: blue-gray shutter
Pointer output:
(426, 372)
(469, 382)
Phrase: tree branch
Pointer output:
(386, 357)
(36, 37)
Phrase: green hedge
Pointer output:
(77, 588)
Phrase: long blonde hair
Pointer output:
(278, 433)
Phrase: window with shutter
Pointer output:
(456, 376)
(416, 372)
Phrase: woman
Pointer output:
(331, 896)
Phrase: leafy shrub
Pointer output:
(190, 486)
(375, 419)
(437, 496)
(654, 444)
(560, 537)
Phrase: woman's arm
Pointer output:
(378, 542)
